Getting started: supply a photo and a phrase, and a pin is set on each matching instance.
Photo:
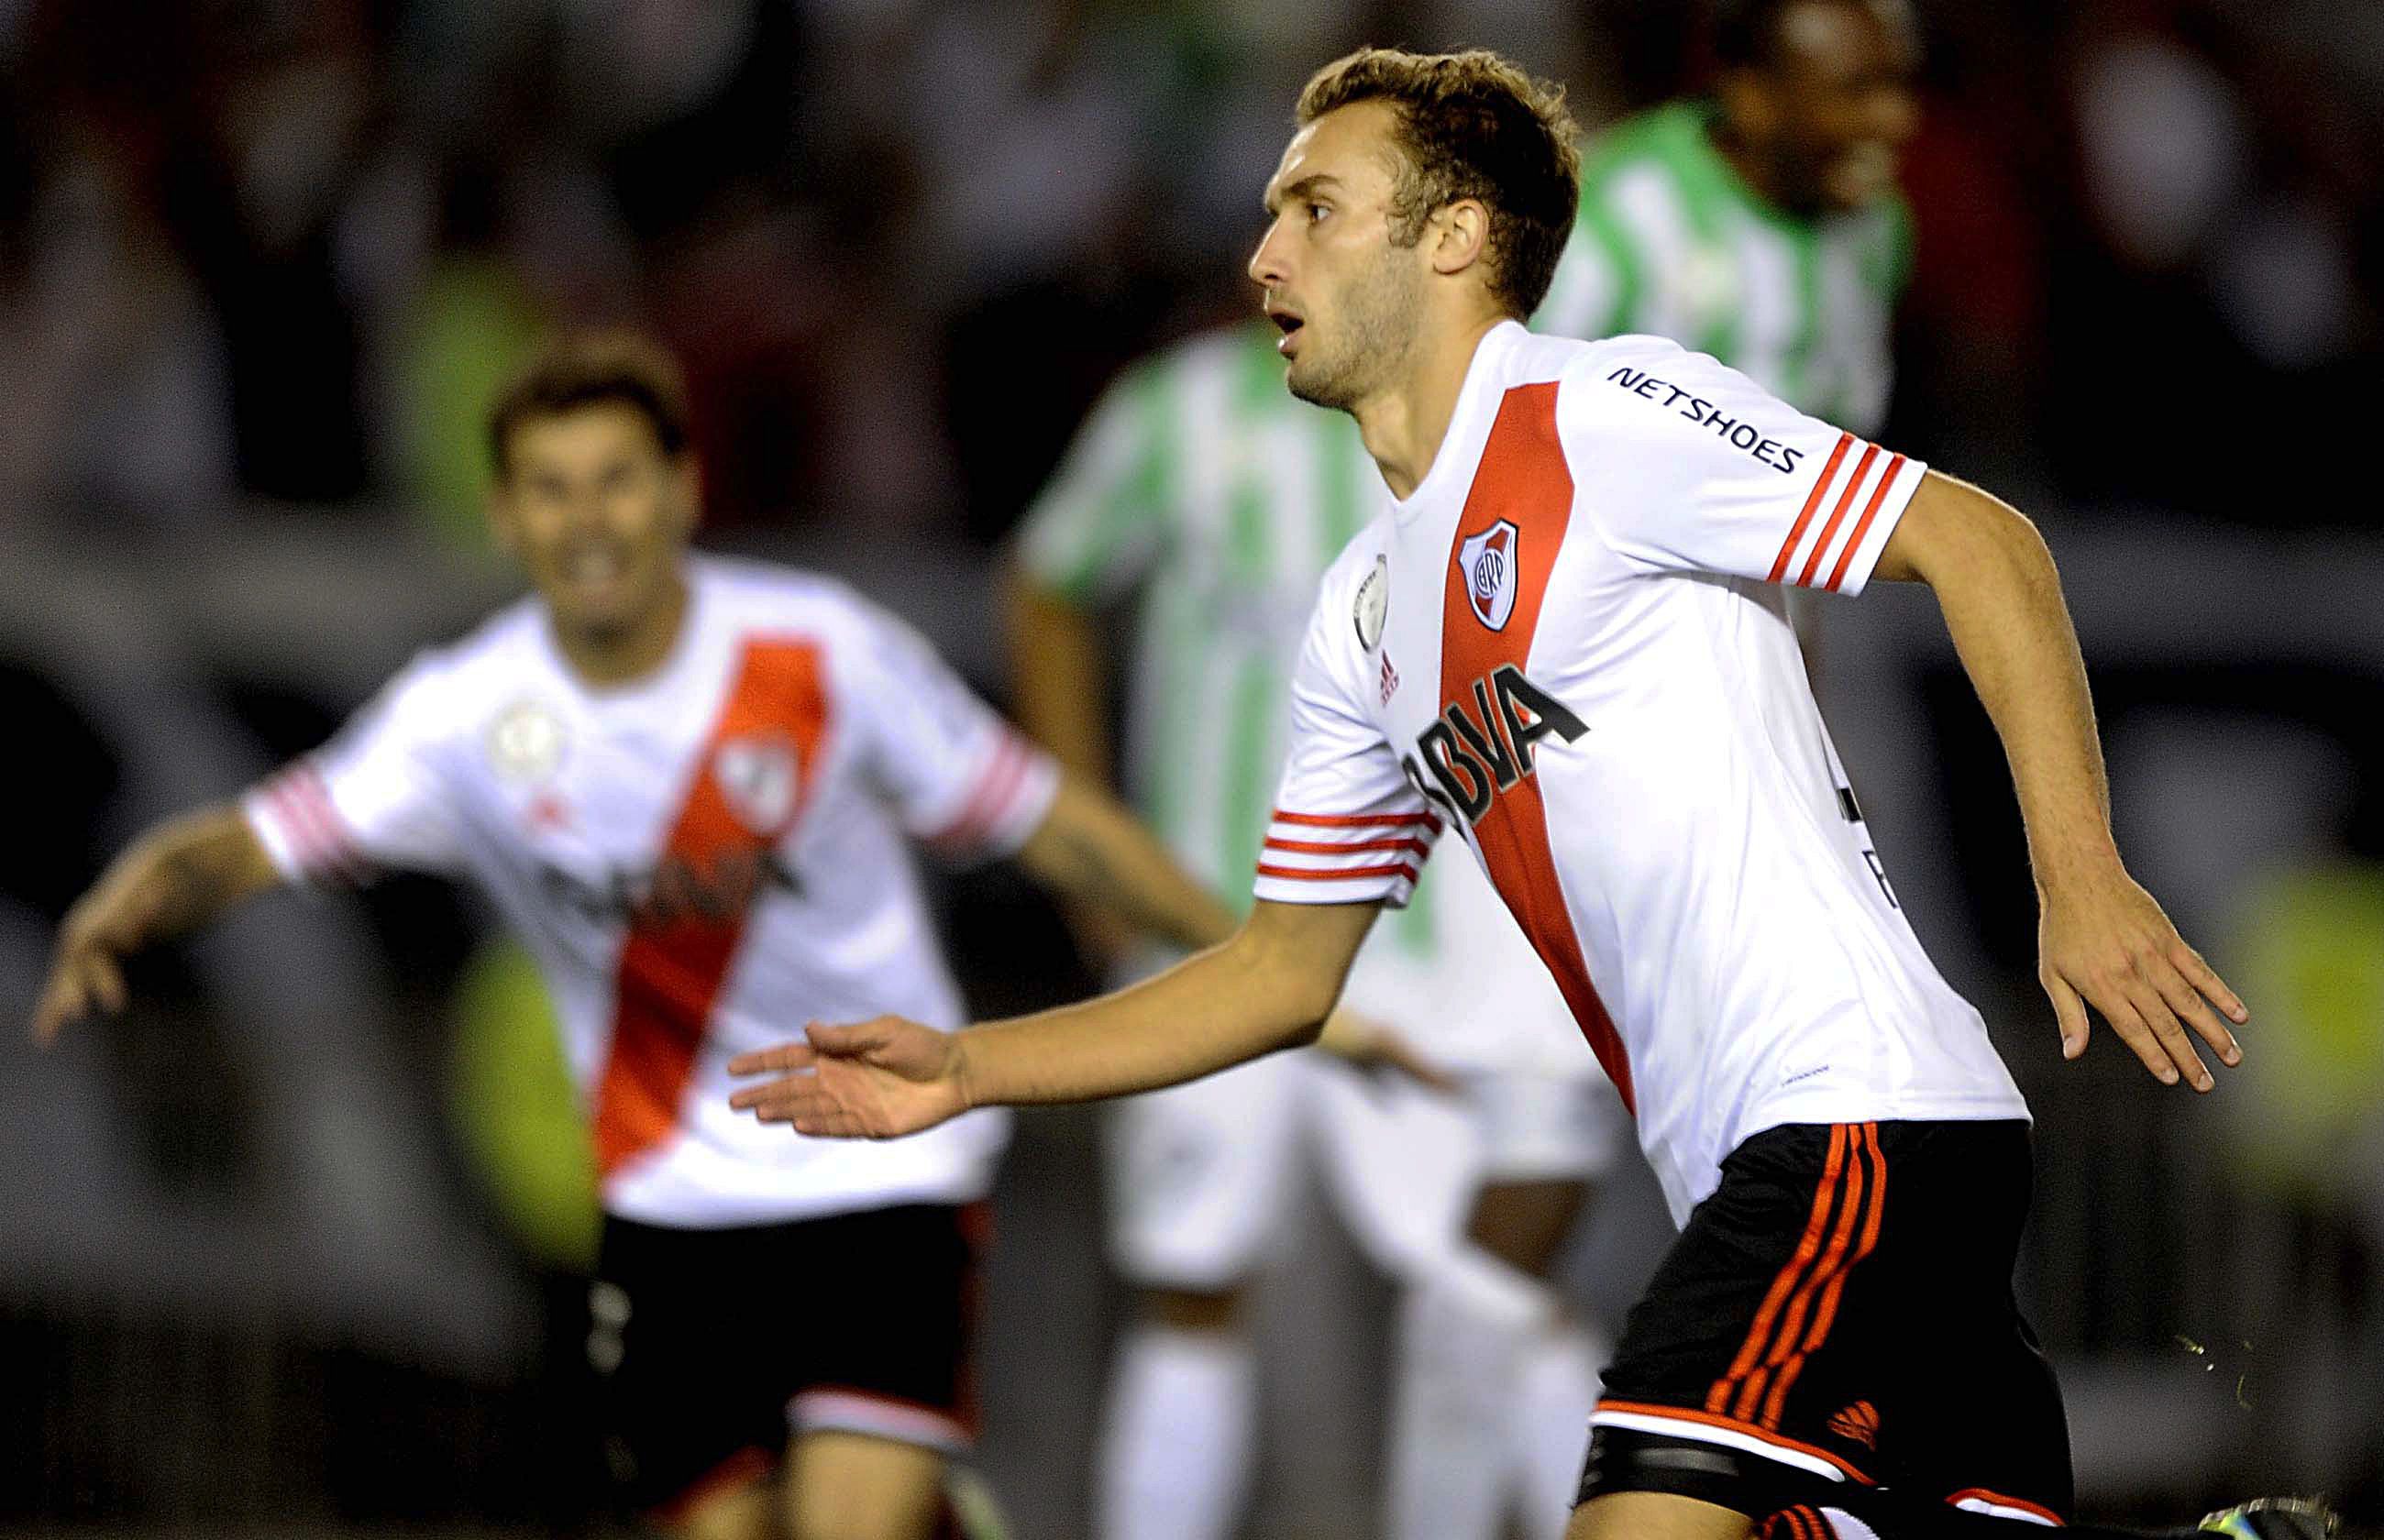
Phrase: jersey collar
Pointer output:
(1469, 426)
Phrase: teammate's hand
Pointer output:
(87, 971)
(1372, 1046)
(2106, 943)
(874, 1080)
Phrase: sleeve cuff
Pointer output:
(1364, 858)
(1846, 521)
(294, 819)
(1005, 804)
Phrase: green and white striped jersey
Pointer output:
(1670, 241)
(1205, 493)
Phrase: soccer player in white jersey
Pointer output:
(1761, 225)
(690, 785)
(1562, 642)
(1205, 494)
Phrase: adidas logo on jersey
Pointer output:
(1858, 1423)
(1466, 758)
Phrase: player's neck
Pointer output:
(1403, 424)
(609, 658)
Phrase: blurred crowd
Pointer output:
(279, 250)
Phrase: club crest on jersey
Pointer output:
(756, 773)
(1488, 563)
(526, 742)
(1373, 606)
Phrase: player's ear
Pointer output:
(1460, 236)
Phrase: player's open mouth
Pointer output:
(1290, 325)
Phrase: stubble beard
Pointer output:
(1377, 325)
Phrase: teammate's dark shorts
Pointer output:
(715, 1346)
(1840, 1310)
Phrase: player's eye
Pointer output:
(1317, 212)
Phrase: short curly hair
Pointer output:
(1472, 125)
(587, 368)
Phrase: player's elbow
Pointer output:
(1280, 984)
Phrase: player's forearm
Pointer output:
(1060, 677)
(1090, 850)
(2002, 600)
(1213, 1009)
(183, 875)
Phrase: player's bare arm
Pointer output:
(176, 878)
(1269, 985)
(2103, 940)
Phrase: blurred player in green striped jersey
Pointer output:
(1761, 225)
(1208, 498)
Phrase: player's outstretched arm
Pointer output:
(2102, 939)
(175, 878)
(1268, 987)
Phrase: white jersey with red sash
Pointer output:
(702, 862)
(1569, 646)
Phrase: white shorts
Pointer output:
(1199, 1175)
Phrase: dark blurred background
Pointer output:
(290, 1244)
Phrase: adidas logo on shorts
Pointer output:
(1858, 1423)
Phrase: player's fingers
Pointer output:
(2190, 1007)
(768, 1093)
(2203, 977)
(2069, 1010)
(774, 1061)
(2170, 1033)
(1402, 1056)
(62, 1001)
(106, 980)
(846, 1041)
(2130, 1025)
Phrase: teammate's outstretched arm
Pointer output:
(1268, 987)
(1090, 848)
(177, 877)
(2102, 939)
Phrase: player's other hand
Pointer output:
(87, 971)
(2104, 942)
(872, 1080)
(1372, 1046)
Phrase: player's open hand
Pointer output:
(1372, 1046)
(2105, 943)
(874, 1080)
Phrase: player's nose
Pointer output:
(1268, 267)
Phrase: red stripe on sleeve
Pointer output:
(1837, 513)
(1812, 500)
(1862, 525)
(1361, 820)
(1314, 847)
(1345, 873)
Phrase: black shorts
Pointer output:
(715, 1346)
(1840, 1310)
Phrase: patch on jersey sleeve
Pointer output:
(1373, 607)
(1488, 563)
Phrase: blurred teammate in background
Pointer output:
(1564, 639)
(690, 785)
(1206, 495)
(1762, 225)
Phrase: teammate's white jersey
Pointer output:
(1570, 643)
(702, 862)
